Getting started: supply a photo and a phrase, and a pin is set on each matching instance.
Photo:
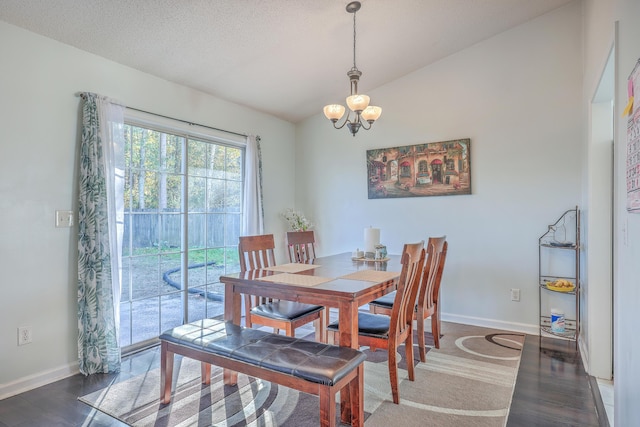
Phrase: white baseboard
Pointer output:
(37, 380)
(585, 356)
(492, 323)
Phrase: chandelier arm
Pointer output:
(346, 120)
(362, 122)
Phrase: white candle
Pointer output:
(371, 239)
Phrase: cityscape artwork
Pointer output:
(429, 169)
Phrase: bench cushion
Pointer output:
(313, 361)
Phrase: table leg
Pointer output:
(232, 307)
(232, 304)
(348, 324)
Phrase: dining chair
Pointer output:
(301, 246)
(381, 331)
(427, 304)
(257, 252)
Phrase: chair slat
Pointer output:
(257, 252)
(301, 246)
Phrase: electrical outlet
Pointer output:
(24, 335)
(64, 219)
(515, 294)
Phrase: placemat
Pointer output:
(296, 279)
(292, 267)
(372, 275)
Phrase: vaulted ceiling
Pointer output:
(287, 58)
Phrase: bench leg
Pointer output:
(356, 389)
(166, 373)
(205, 373)
(345, 405)
(352, 400)
(327, 406)
(229, 377)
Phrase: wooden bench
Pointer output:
(308, 366)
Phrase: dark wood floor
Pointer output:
(552, 389)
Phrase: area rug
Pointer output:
(467, 382)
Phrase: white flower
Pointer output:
(296, 220)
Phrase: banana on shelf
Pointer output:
(561, 285)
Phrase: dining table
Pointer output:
(336, 281)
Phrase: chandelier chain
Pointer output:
(354, 41)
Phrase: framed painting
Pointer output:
(421, 170)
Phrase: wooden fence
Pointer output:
(153, 229)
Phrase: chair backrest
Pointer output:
(434, 265)
(413, 255)
(256, 252)
(301, 246)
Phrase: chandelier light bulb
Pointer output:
(371, 113)
(358, 102)
(334, 112)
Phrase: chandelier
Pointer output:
(358, 102)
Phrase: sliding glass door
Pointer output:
(183, 207)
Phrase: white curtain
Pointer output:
(253, 218)
(101, 225)
(113, 114)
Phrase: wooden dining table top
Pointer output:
(328, 281)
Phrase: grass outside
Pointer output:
(152, 299)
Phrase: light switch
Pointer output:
(64, 219)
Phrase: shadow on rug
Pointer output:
(467, 382)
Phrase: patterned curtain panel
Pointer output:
(253, 218)
(100, 234)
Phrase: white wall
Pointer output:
(600, 19)
(517, 96)
(597, 283)
(627, 234)
(39, 121)
(598, 41)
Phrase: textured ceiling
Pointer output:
(285, 57)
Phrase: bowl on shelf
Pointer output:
(561, 285)
(561, 244)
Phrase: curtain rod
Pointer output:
(81, 95)
(189, 123)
